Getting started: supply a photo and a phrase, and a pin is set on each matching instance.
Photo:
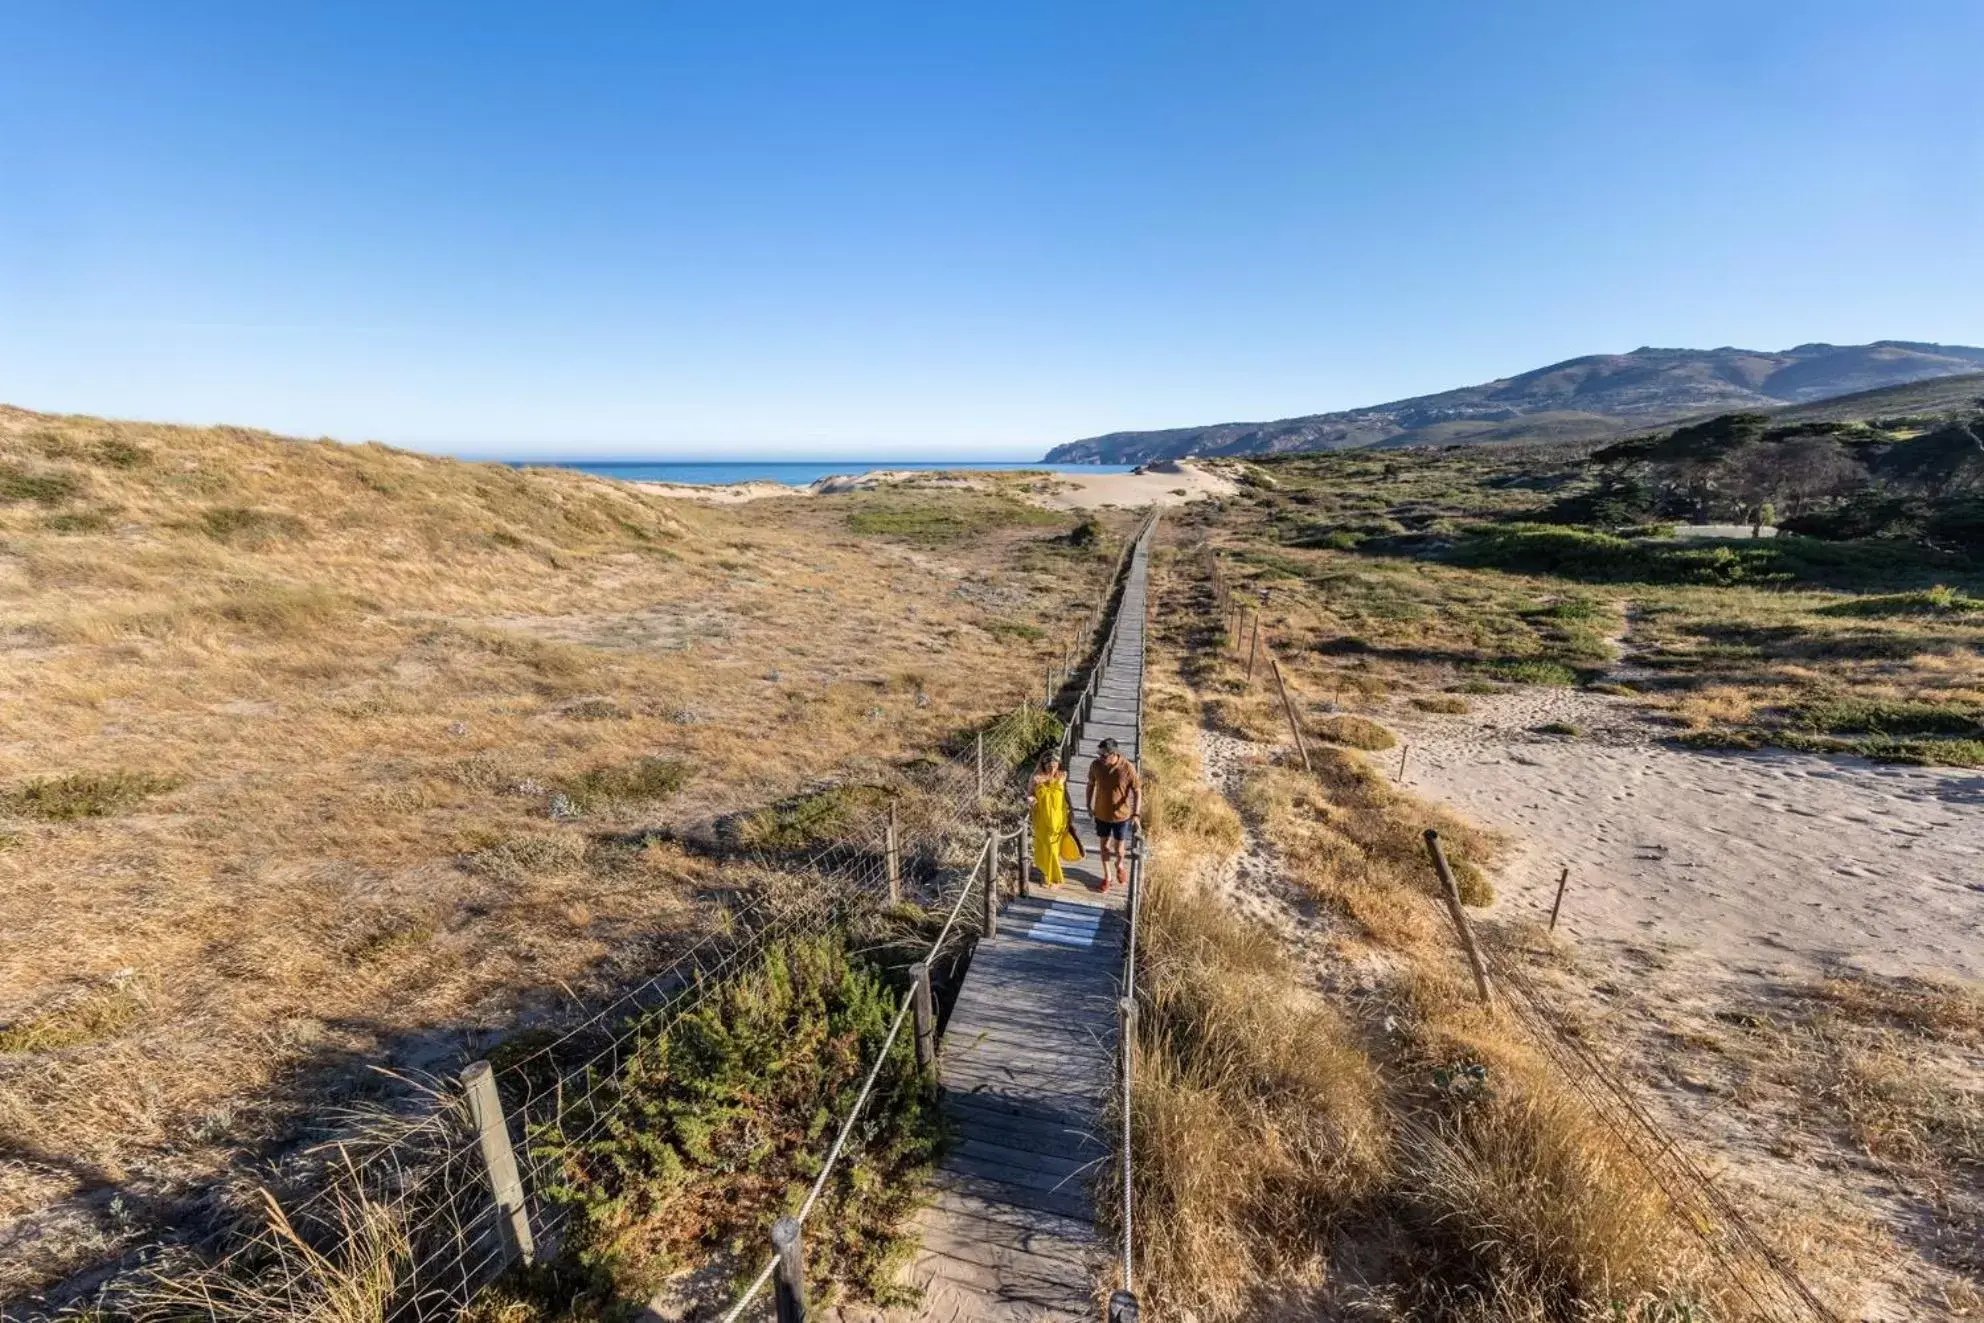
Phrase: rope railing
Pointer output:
(1123, 1302)
(430, 1170)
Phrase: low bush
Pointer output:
(717, 1120)
(1355, 732)
(1448, 705)
(42, 486)
(84, 794)
(1593, 557)
(1531, 670)
(1870, 716)
(244, 526)
(1935, 601)
(811, 819)
(638, 781)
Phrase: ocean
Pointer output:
(793, 474)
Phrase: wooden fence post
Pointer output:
(1021, 839)
(991, 889)
(1288, 708)
(1459, 914)
(512, 1218)
(1558, 903)
(926, 1019)
(789, 1280)
(1253, 647)
(893, 855)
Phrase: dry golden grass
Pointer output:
(336, 753)
(1426, 1160)
(1258, 1121)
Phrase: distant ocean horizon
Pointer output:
(793, 473)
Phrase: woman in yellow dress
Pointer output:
(1049, 793)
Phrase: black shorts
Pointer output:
(1111, 831)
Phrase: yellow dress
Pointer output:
(1050, 824)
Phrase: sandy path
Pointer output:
(1772, 860)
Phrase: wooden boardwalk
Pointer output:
(1028, 1066)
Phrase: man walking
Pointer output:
(1115, 801)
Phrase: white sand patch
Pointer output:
(1093, 491)
(1711, 891)
(1757, 859)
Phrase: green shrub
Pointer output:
(113, 452)
(638, 781)
(1531, 670)
(84, 794)
(717, 1120)
(1936, 601)
(78, 521)
(44, 486)
(811, 819)
(1591, 557)
(1843, 716)
(240, 525)
(1355, 732)
(1565, 728)
(91, 1019)
(1452, 706)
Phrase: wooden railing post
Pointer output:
(991, 888)
(893, 856)
(486, 1108)
(1021, 840)
(789, 1279)
(1459, 915)
(1253, 647)
(1123, 1307)
(926, 1019)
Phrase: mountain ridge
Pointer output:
(1593, 395)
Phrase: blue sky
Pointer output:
(949, 229)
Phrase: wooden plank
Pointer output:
(1028, 1065)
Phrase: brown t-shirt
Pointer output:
(1112, 790)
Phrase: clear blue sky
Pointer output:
(949, 229)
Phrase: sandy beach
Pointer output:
(1172, 485)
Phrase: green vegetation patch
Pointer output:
(42, 486)
(1355, 732)
(923, 517)
(1014, 629)
(78, 521)
(811, 819)
(1935, 601)
(1880, 748)
(102, 1014)
(715, 1126)
(1530, 670)
(245, 526)
(1592, 557)
(84, 794)
(1873, 716)
(1450, 705)
(640, 780)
